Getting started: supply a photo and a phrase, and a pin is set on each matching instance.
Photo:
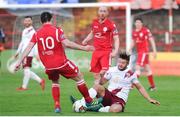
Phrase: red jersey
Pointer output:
(141, 39)
(50, 49)
(103, 34)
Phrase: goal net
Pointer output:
(75, 20)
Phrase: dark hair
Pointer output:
(46, 17)
(28, 17)
(124, 55)
(138, 18)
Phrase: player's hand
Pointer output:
(18, 66)
(84, 42)
(113, 54)
(154, 102)
(89, 48)
(15, 56)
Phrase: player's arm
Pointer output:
(24, 54)
(145, 94)
(18, 50)
(153, 45)
(152, 42)
(103, 81)
(116, 46)
(107, 76)
(73, 45)
(88, 38)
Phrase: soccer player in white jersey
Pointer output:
(120, 80)
(27, 34)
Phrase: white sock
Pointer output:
(35, 77)
(26, 77)
(104, 109)
(92, 92)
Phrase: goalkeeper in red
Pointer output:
(104, 33)
(50, 41)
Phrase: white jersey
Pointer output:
(120, 81)
(27, 34)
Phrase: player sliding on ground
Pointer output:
(50, 41)
(120, 80)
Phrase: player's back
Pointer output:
(50, 48)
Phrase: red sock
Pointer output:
(151, 80)
(56, 94)
(84, 90)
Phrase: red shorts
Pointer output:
(110, 98)
(101, 60)
(27, 62)
(68, 70)
(142, 59)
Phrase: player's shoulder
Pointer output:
(146, 29)
(95, 20)
(111, 22)
(134, 32)
(130, 72)
(59, 29)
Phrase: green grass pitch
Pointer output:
(36, 102)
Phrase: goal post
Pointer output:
(82, 5)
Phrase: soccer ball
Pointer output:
(11, 65)
(79, 106)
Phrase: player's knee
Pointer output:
(99, 88)
(115, 108)
(96, 87)
(79, 77)
(102, 72)
(96, 75)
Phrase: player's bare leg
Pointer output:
(56, 95)
(115, 108)
(97, 78)
(150, 77)
(100, 89)
(138, 70)
(102, 72)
